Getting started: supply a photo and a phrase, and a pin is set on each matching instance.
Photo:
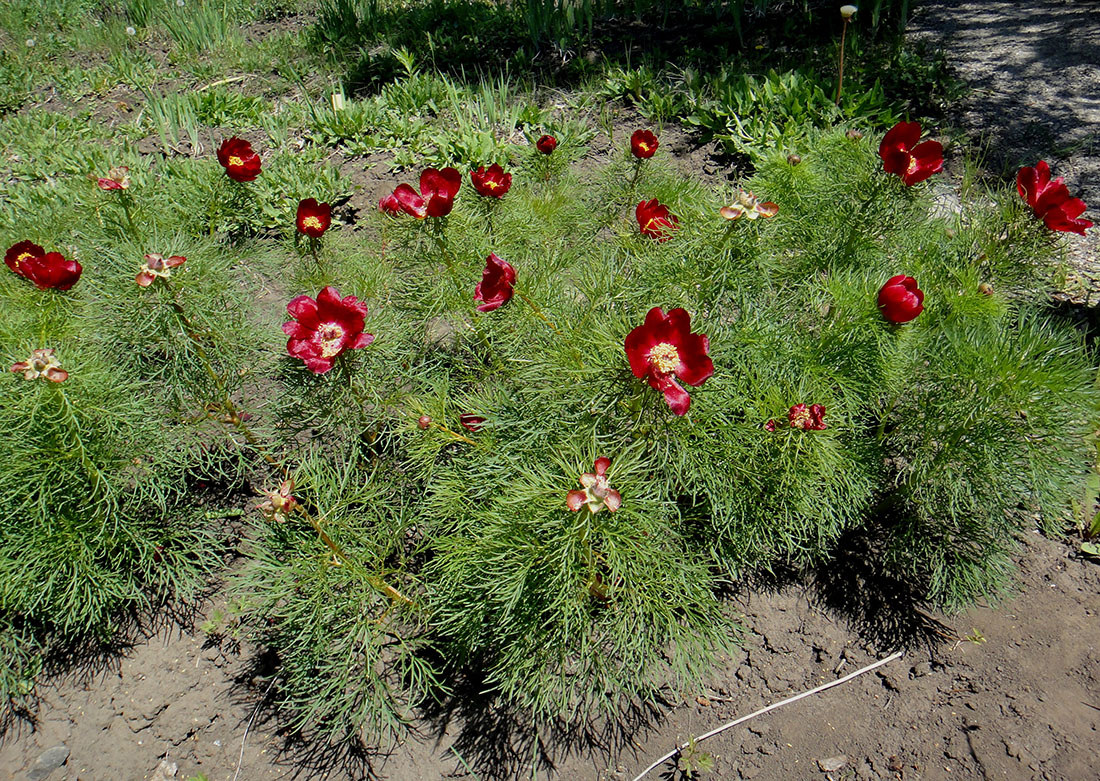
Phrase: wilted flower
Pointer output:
(807, 419)
(546, 144)
(471, 422)
(596, 493)
(902, 155)
(42, 364)
(491, 182)
(325, 328)
(655, 221)
(278, 505)
(749, 206)
(240, 162)
(900, 300)
(770, 426)
(985, 289)
(435, 199)
(47, 270)
(643, 144)
(116, 179)
(496, 285)
(157, 266)
(663, 349)
(313, 218)
(854, 135)
(1050, 200)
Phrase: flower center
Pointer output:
(664, 358)
(912, 165)
(23, 256)
(312, 222)
(643, 146)
(492, 185)
(331, 337)
(801, 419)
(234, 160)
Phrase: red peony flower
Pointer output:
(471, 422)
(157, 267)
(495, 287)
(41, 364)
(491, 182)
(811, 419)
(313, 218)
(21, 252)
(663, 349)
(435, 199)
(902, 155)
(241, 164)
(900, 300)
(47, 270)
(116, 179)
(389, 205)
(325, 328)
(643, 144)
(596, 493)
(655, 221)
(1050, 199)
(749, 206)
(547, 145)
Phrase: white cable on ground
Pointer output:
(771, 707)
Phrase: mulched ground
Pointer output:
(1011, 691)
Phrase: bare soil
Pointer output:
(1007, 691)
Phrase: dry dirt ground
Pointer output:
(1011, 691)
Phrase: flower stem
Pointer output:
(539, 313)
(840, 69)
(313, 245)
(232, 417)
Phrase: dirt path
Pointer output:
(1011, 692)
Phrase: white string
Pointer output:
(762, 711)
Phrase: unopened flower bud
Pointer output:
(854, 134)
(793, 159)
(985, 289)
(424, 421)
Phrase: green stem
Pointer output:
(233, 418)
(840, 69)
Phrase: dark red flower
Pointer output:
(157, 266)
(41, 365)
(770, 426)
(596, 493)
(471, 422)
(643, 144)
(807, 419)
(313, 218)
(491, 182)
(241, 164)
(1050, 199)
(663, 349)
(424, 421)
(902, 155)
(496, 285)
(900, 300)
(325, 328)
(655, 221)
(435, 199)
(389, 204)
(546, 144)
(20, 252)
(47, 270)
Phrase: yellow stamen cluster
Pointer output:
(664, 358)
(330, 336)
